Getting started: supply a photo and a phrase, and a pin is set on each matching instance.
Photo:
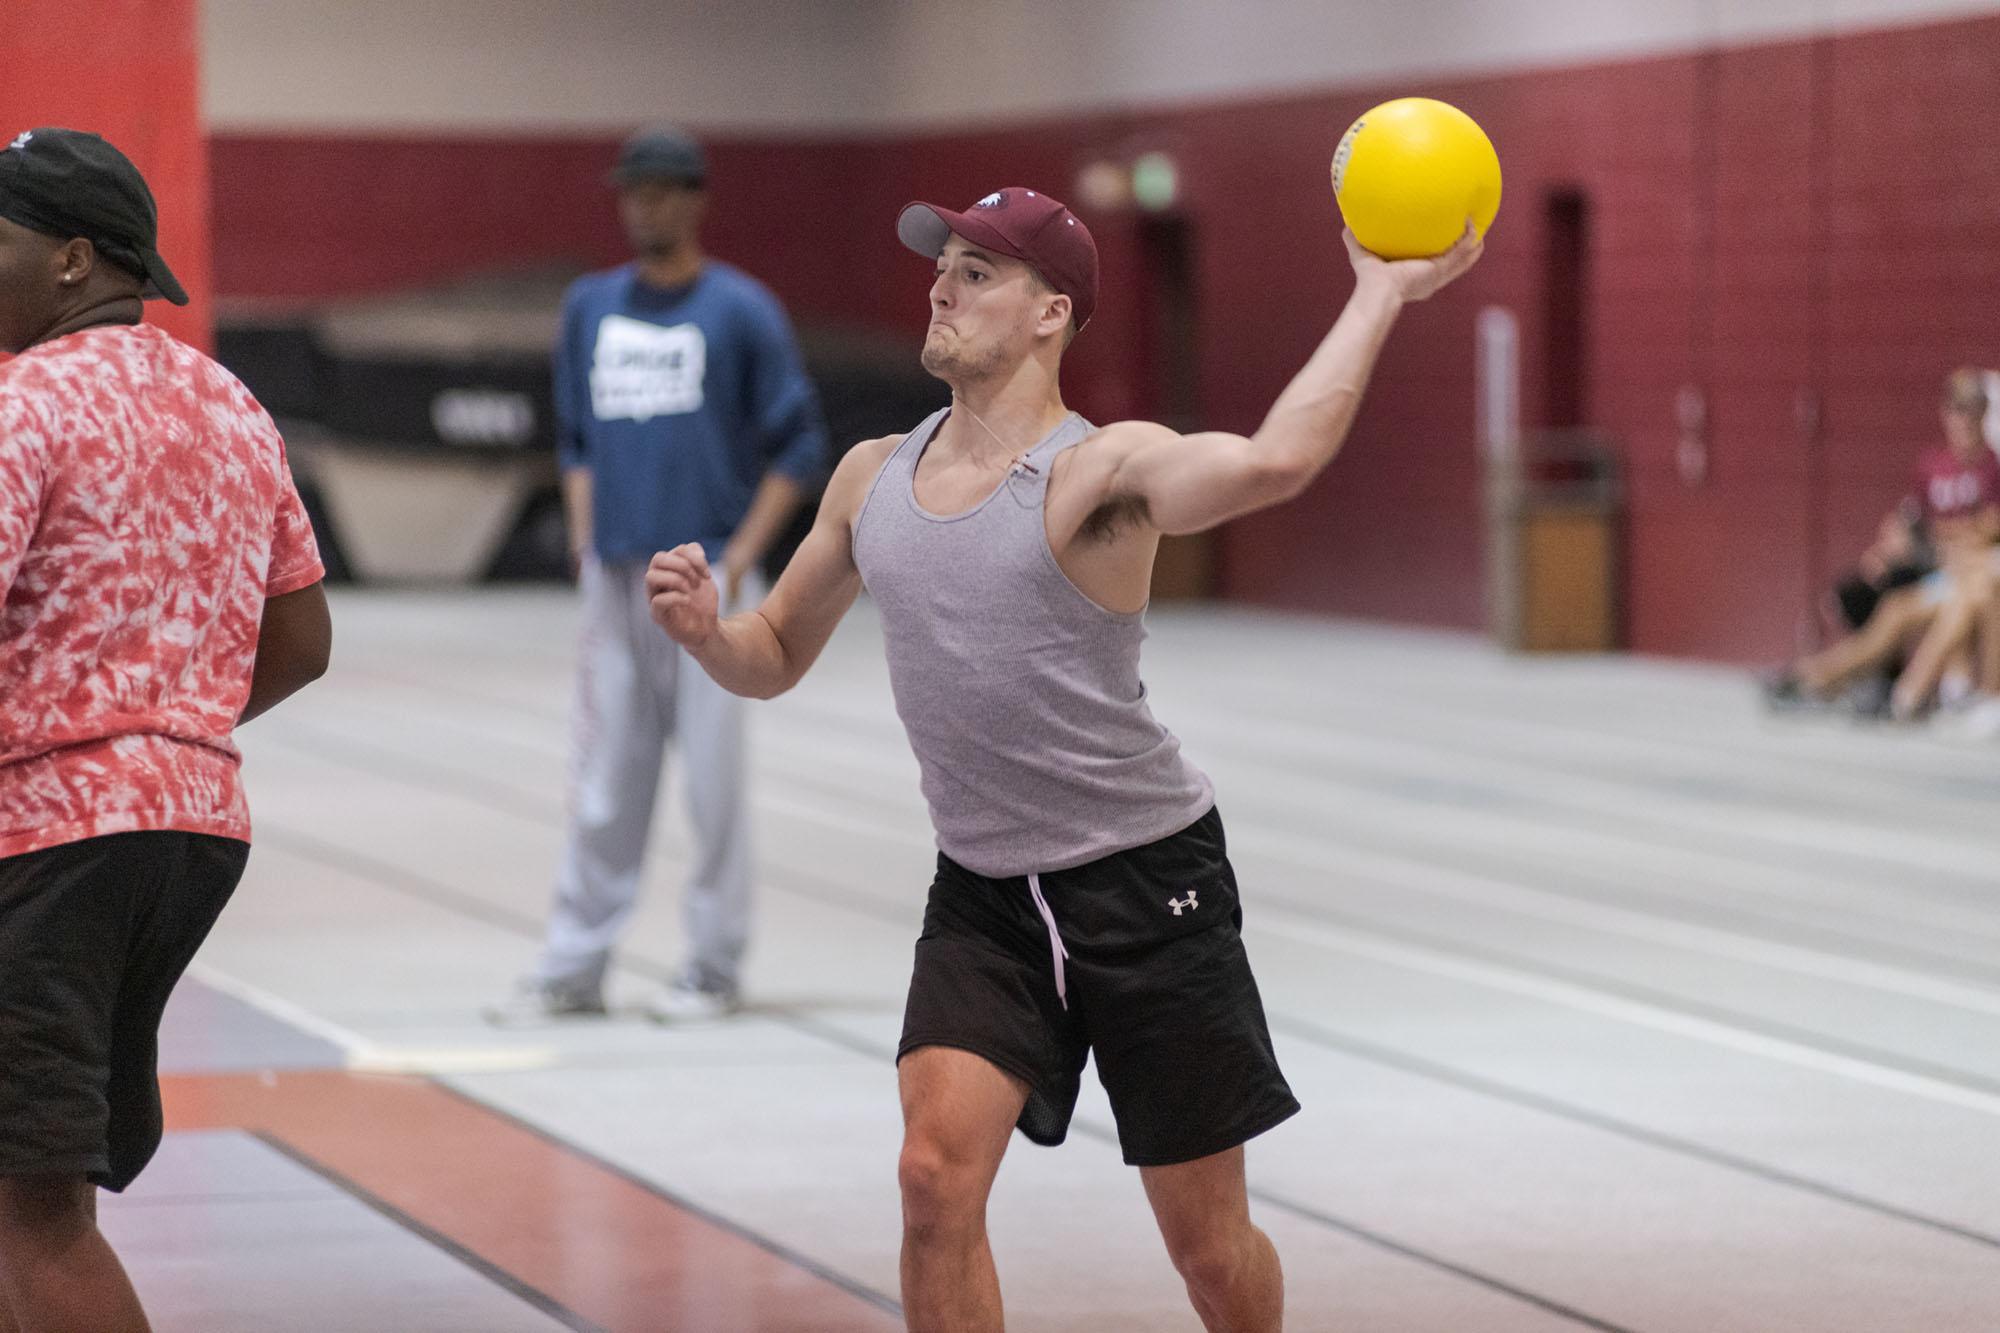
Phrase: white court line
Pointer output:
(1542, 744)
(1789, 909)
(1958, 852)
(1583, 831)
(365, 1056)
(1509, 896)
(275, 1006)
(1570, 995)
(1659, 1018)
(1537, 904)
(1799, 959)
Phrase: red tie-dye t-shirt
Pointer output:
(146, 512)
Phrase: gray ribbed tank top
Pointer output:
(1021, 696)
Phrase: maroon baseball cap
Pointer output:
(1031, 227)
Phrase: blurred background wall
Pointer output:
(1743, 241)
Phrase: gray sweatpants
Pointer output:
(636, 690)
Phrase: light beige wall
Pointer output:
(522, 65)
(842, 66)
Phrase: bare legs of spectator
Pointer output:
(1901, 617)
(1949, 638)
(1988, 649)
(1982, 720)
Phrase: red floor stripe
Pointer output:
(596, 1243)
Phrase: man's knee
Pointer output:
(942, 1189)
(1210, 1256)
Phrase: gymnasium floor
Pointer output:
(1613, 1005)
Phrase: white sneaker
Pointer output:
(1980, 722)
(535, 1000)
(684, 1002)
(1955, 693)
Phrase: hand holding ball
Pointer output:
(1410, 173)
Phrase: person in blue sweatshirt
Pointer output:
(684, 414)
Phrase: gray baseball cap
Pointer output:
(661, 152)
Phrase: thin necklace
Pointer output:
(1020, 460)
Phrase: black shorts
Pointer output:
(1157, 984)
(93, 936)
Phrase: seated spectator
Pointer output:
(1957, 506)
(1961, 597)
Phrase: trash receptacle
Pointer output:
(1554, 522)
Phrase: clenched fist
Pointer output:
(682, 596)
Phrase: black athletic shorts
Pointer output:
(1157, 985)
(93, 936)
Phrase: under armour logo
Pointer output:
(21, 140)
(1188, 902)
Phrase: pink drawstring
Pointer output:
(1056, 949)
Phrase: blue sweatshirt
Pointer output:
(679, 402)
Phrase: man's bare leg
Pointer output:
(958, 1113)
(1229, 1265)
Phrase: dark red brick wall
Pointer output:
(1808, 233)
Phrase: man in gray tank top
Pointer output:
(1083, 899)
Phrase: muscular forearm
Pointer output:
(744, 656)
(764, 652)
(1307, 425)
(1224, 476)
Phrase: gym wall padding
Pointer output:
(129, 70)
